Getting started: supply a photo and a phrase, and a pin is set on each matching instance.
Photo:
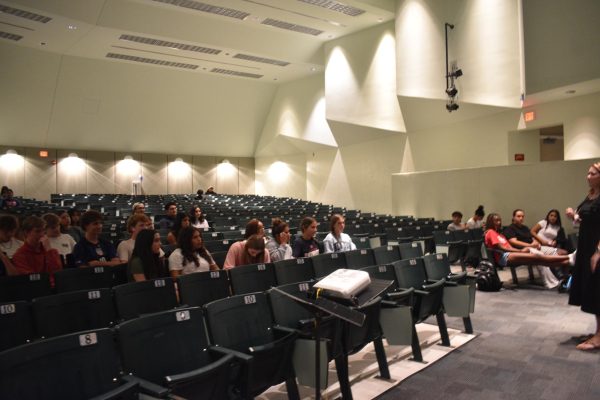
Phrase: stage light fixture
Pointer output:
(451, 91)
(452, 106)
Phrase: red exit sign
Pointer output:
(519, 157)
(530, 116)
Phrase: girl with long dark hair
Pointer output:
(145, 262)
(191, 255)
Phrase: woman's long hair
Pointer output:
(192, 215)
(256, 242)
(277, 228)
(142, 249)
(184, 242)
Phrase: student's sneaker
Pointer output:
(572, 257)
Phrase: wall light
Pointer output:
(128, 166)
(73, 164)
(11, 160)
(178, 167)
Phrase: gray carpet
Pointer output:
(524, 350)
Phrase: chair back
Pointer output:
(24, 287)
(325, 264)
(359, 258)
(294, 270)
(136, 298)
(201, 288)
(252, 278)
(71, 279)
(16, 324)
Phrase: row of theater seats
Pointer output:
(158, 345)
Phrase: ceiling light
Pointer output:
(72, 27)
(456, 73)
(313, 69)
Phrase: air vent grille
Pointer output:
(172, 45)
(24, 14)
(196, 5)
(151, 61)
(10, 36)
(261, 60)
(336, 6)
(291, 27)
(235, 73)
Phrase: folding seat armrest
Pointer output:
(146, 387)
(450, 283)
(238, 354)
(451, 242)
(401, 294)
(199, 372)
(421, 292)
(282, 334)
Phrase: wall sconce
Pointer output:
(224, 161)
(10, 160)
(73, 164)
(179, 167)
(128, 166)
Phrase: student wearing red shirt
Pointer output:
(36, 255)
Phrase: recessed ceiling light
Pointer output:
(571, 91)
(72, 27)
(42, 43)
(274, 79)
(313, 69)
(380, 19)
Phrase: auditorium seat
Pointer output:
(137, 298)
(359, 258)
(294, 270)
(16, 324)
(244, 323)
(84, 278)
(201, 288)
(325, 264)
(386, 254)
(252, 278)
(24, 287)
(171, 349)
(75, 311)
(410, 250)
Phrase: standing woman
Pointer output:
(306, 245)
(336, 240)
(278, 246)
(191, 255)
(585, 289)
(145, 262)
(197, 218)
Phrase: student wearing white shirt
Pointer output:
(62, 242)
(337, 241)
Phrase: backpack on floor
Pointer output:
(487, 278)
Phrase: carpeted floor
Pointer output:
(524, 350)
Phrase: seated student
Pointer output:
(8, 228)
(182, 221)
(197, 218)
(199, 194)
(278, 246)
(511, 255)
(62, 242)
(191, 255)
(456, 224)
(145, 261)
(211, 190)
(306, 245)
(92, 250)
(66, 227)
(75, 215)
(337, 241)
(169, 219)
(135, 224)
(36, 255)
(519, 236)
(9, 201)
(253, 252)
(235, 254)
(549, 232)
(476, 221)
(138, 208)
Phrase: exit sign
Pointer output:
(530, 116)
(519, 157)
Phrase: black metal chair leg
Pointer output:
(416, 346)
(384, 371)
(468, 326)
(292, 389)
(443, 328)
(341, 365)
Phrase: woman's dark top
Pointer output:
(585, 289)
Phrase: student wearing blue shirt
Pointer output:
(92, 250)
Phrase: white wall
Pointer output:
(536, 188)
(63, 102)
(32, 176)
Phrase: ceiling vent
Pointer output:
(10, 36)
(24, 14)
(335, 6)
(235, 73)
(291, 27)
(198, 6)
(172, 45)
(261, 60)
(151, 61)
